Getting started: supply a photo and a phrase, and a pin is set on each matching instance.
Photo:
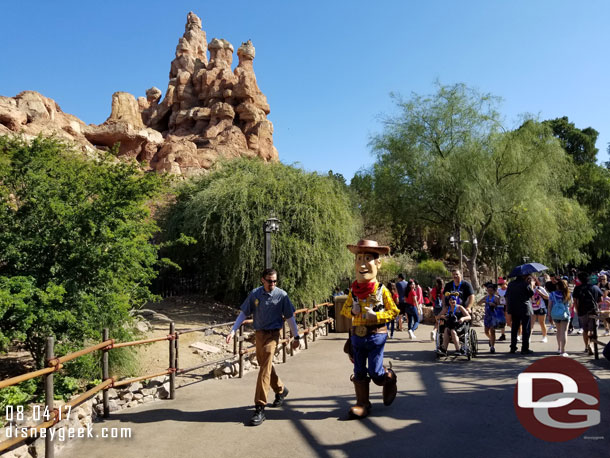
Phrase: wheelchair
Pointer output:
(467, 338)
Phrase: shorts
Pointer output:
(586, 323)
(540, 311)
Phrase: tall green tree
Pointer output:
(447, 164)
(591, 187)
(224, 212)
(75, 251)
(578, 143)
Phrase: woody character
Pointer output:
(370, 306)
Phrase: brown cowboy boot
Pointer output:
(363, 406)
(389, 387)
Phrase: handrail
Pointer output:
(57, 363)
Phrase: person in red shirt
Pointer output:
(413, 308)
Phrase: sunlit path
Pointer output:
(435, 400)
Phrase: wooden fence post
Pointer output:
(105, 373)
(49, 451)
(172, 361)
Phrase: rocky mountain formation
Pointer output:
(209, 112)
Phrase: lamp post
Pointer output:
(272, 224)
(525, 259)
(457, 241)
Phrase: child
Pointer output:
(539, 308)
(492, 300)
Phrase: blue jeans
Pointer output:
(413, 318)
(371, 348)
(390, 325)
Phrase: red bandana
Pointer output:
(363, 290)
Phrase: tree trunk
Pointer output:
(471, 263)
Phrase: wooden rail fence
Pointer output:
(310, 323)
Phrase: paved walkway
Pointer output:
(452, 408)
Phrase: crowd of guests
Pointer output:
(557, 304)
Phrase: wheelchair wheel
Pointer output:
(474, 345)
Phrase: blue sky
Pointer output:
(327, 68)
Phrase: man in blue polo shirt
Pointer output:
(268, 305)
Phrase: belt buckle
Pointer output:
(361, 331)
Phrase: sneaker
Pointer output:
(572, 331)
(588, 351)
(279, 398)
(441, 352)
(544, 340)
(460, 352)
(579, 331)
(502, 338)
(607, 333)
(564, 354)
(527, 352)
(411, 334)
(492, 350)
(518, 338)
(258, 417)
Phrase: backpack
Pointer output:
(559, 310)
(586, 301)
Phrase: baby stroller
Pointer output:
(467, 338)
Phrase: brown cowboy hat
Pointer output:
(368, 246)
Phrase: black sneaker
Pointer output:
(258, 417)
(441, 352)
(279, 398)
(527, 352)
(502, 337)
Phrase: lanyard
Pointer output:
(458, 286)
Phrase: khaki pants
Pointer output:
(266, 343)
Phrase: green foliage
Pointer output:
(428, 270)
(391, 266)
(75, 255)
(578, 143)
(446, 165)
(225, 210)
(65, 386)
(16, 395)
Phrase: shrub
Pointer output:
(224, 212)
(75, 251)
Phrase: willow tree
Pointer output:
(224, 213)
(447, 164)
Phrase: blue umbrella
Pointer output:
(526, 269)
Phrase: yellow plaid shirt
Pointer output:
(389, 312)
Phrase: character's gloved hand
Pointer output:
(370, 315)
(356, 308)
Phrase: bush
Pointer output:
(224, 212)
(428, 270)
(16, 395)
(393, 265)
(75, 251)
